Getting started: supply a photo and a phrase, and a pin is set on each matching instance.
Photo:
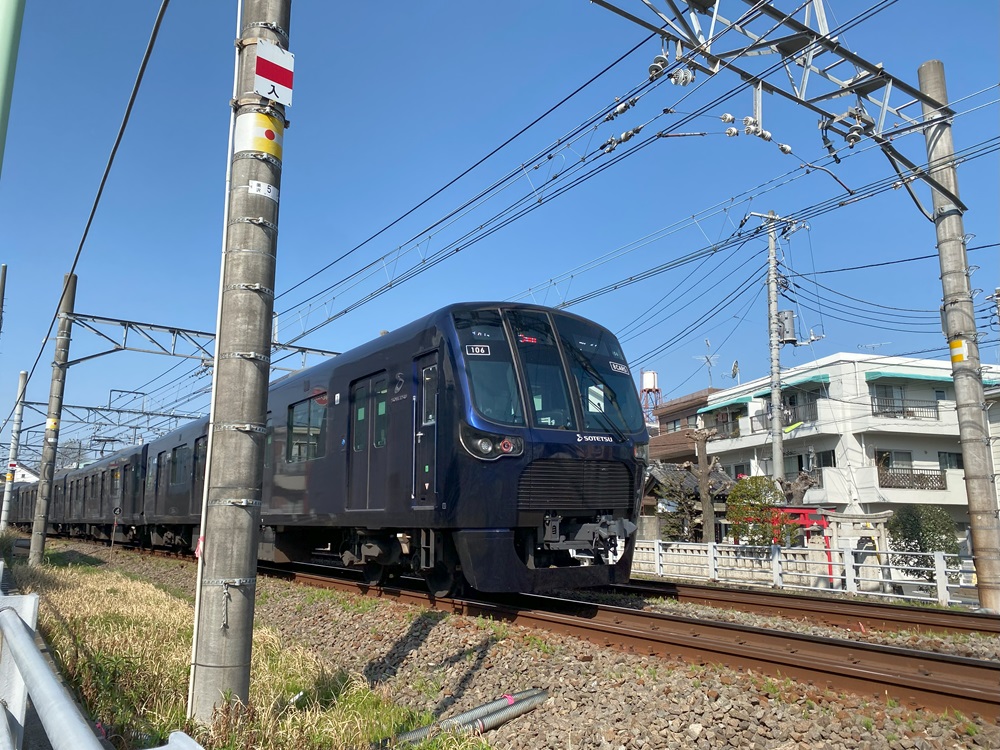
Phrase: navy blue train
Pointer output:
(502, 445)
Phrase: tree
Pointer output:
(677, 506)
(752, 510)
(916, 531)
(680, 521)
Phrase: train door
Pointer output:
(129, 493)
(117, 495)
(102, 506)
(369, 468)
(162, 477)
(425, 415)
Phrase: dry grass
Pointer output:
(124, 647)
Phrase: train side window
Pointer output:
(200, 457)
(161, 469)
(151, 474)
(307, 429)
(180, 464)
(381, 416)
(268, 442)
(430, 388)
(359, 416)
(116, 482)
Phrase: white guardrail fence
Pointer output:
(24, 672)
(936, 577)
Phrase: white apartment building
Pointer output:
(868, 430)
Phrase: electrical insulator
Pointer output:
(854, 134)
(626, 136)
(727, 118)
(620, 109)
(749, 121)
(765, 134)
(658, 67)
(732, 132)
(682, 77)
(784, 148)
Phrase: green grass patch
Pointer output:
(124, 648)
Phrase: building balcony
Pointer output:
(912, 479)
(790, 415)
(904, 408)
(725, 430)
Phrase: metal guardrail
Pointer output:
(24, 672)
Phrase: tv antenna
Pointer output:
(709, 359)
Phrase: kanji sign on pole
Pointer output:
(273, 73)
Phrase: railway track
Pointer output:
(916, 679)
(837, 612)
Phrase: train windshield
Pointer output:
(598, 385)
(601, 377)
(490, 365)
(548, 390)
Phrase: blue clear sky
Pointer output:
(393, 101)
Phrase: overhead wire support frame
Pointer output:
(801, 47)
(198, 340)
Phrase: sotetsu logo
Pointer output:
(594, 438)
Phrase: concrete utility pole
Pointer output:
(15, 437)
(774, 341)
(224, 605)
(701, 438)
(777, 447)
(51, 444)
(963, 341)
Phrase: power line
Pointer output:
(100, 190)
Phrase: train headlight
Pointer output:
(489, 446)
(641, 451)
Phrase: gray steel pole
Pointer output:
(230, 525)
(777, 449)
(963, 340)
(47, 469)
(15, 437)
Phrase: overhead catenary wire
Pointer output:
(355, 308)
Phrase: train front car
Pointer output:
(553, 448)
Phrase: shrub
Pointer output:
(752, 512)
(916, 531)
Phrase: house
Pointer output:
(675, 419)
(856, 429)
(23, 474)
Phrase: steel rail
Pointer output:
(838, 612)
(920, 680)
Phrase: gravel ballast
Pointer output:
(599, 698)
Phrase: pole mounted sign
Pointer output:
(273, 73)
